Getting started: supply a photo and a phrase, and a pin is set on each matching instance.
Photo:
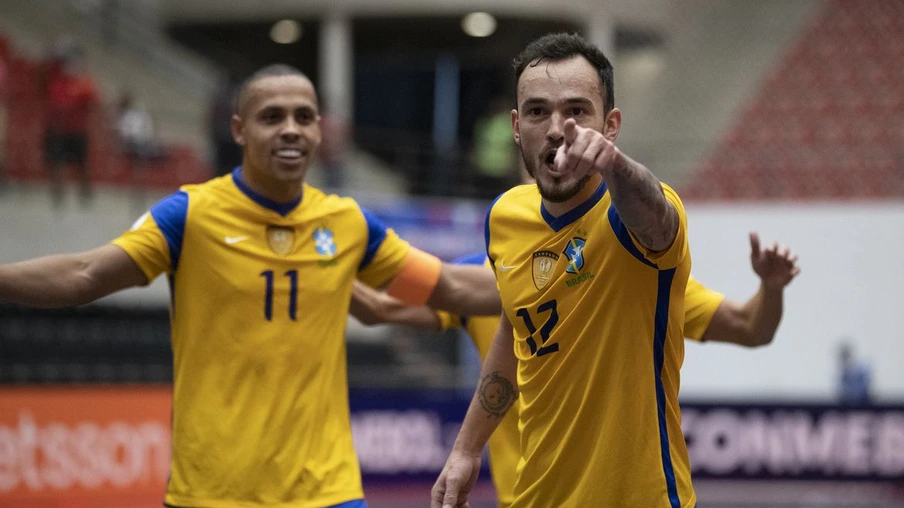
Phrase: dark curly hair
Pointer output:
(562, 46)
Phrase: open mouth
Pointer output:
(550, 161)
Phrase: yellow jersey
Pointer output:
(598, 323)
(260, 293)
(700, 304)
(699, 308)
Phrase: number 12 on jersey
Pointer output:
(293, 294)
(545, 330)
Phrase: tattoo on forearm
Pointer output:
(644, 207)
(496, 394)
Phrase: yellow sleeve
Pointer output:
(671, 257)
(447, 320)
(387, 261)
(147, 246)
(700, 305)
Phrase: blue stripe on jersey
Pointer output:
(478, 258)
(357, 503)
(486, 228)
(280, 208)
(624, 237)
(557, 223)
(376, 233)
(169, 213)
(661, 328)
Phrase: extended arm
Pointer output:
(641, 203)
(466, 290)
(636, 192)
(755, 322)
(372, 307)
(495, 394)
(69, 279)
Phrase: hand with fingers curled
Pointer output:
(585, 151)
(455, 482)
(775, 265)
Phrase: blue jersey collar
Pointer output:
(569, 217)
(280, 208)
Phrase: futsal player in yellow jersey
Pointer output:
(708, 316)
(592, 264)
(261, 268)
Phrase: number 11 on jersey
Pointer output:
(293, 294)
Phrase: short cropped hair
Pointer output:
(269, 71)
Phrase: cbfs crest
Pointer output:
(281, 239)
(574, 251)
(544, 262)
(324, 242)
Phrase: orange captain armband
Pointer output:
(418, 278)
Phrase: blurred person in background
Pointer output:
(71, 104)
(135, 132)
(708, 317)
(854, 377)
(138, 142)
(261, 267)
(493, 156)
(226, 154)
(4, 97)
(332, 155)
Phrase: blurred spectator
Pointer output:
(494, 157)
(855, 379)
(227, 153)
(4, 80)
(332, 149)
(135, 132)
(72, 100)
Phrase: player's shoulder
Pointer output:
(211, 189)
(516, 200)
(326, 204)
(328, 200)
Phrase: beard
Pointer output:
(560, 191)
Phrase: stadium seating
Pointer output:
(810, 132)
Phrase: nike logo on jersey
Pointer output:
(506, 268)
(235, 239)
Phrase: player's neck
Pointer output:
(559, 209)
(275, 190)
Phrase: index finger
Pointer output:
(571, 131)
(450, 499)
(754, 242)
(438, 491)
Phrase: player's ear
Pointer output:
(613, 125)
(516, 127)
(236, 125)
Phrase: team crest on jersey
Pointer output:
(324, 242)
(543, 263)
(281, 239)
(575, 253)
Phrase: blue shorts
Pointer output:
(357, 503)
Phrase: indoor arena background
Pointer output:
(784, 117)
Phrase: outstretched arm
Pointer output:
(63, 280)
(373, 307)
(755, 322)
(495, 394)
(466, 290)
(636, 192)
